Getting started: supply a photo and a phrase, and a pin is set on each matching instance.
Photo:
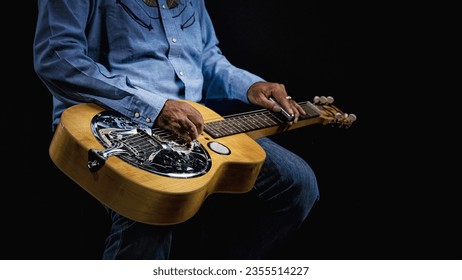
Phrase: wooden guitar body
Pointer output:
(144, 196)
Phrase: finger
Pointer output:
(196, 119)
(295, 108)
(270, 104)
(300, 108)
(191, 130)
(186, 130)
(288, 106)
(276, 108)
(296, 116)
(181, 130)
(198, 124)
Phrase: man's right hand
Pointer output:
(181, 118)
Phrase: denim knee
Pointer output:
(286, 181)
(305, 185)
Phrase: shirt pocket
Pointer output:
(184, 13)
(140, 12)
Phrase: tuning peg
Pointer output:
(352, 117)
(323, 100)
(338, 116)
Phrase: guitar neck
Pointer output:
(260, 123)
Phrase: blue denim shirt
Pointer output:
(131, 57)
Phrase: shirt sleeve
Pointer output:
(62, 63)
(221, 78)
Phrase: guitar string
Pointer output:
(260, 119)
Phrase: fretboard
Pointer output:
(254, 120)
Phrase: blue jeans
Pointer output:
(229, 226)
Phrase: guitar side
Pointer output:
(144, 196)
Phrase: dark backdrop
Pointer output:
(384, 193)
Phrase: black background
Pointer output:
(386, 186)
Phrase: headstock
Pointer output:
(331, 114)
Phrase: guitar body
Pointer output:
(145, 196)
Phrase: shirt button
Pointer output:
(163, 6)
(137, 115)
(181, 73)
(148, 120)
(174, 40)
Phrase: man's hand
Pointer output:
(181, 118)
(260, 92)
